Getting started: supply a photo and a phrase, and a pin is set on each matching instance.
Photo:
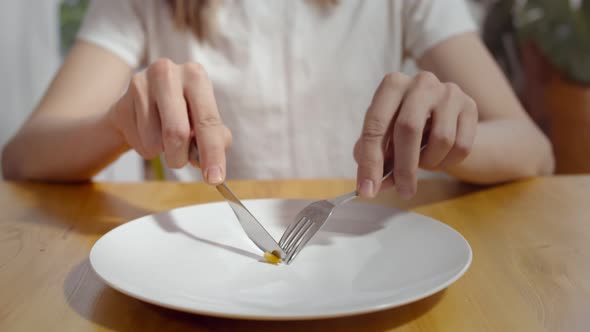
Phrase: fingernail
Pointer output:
(366, 188)
(214, 175)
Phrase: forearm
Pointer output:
(62, 149)
(506, 150)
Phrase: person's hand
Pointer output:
(165, 107)
(394, 127)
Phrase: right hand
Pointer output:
(164, 108)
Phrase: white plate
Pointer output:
(197, 259)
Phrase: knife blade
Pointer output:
(253, 229)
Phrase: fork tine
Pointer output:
(288, 231)
(297, 241)
(300, 244)
(293, 227)
(304, 224)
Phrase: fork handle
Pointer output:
(351, 195)
(354, 194)
(343, 198)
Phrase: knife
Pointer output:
(253, 229)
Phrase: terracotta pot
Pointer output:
(568, 110)
(537, 72)
(560, 108)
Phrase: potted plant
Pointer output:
(551, 69)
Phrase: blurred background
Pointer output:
(543, 46)
(34, 38)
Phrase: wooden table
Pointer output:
(530, 272)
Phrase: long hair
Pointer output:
(198, 16)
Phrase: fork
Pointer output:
(309, 220)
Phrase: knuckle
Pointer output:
(406, 127)
(427, 79)
(177, 134)
(452, 91)
(194, 71)
(394, 80)
(373, 130)
(208, 121)
(442, 139)
(162, 69)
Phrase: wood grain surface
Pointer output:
(530, 271)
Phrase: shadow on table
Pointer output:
(90, 209)
(82, 208)
(354, 220)
(430, 191)
(348, 220)
(88, 296)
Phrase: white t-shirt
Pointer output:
(291, 82)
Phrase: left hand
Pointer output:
(399, 112)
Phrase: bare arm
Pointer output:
(478, 130)
(94, 111)
(68, 137)
(508, 145)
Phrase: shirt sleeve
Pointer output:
(117, 26)
(429, 22)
